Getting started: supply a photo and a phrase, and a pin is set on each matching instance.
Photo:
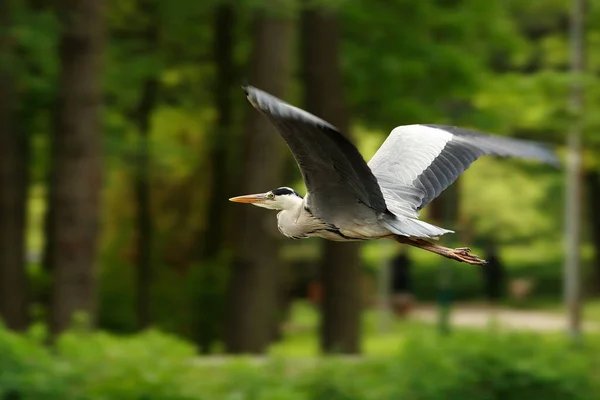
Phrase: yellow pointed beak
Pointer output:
(249, 198)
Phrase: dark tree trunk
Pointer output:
(223, 44)
(143, 201)
(209, 316)
(76, 163)
(13, 192)
(340, 269)
(592, 179)
(148, 98)
(252, 295)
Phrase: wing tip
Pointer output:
(248, 89)
(261, 100)
(548, 155)
(278, 108)
(252, 94)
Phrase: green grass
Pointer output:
(591, 311)
(301, 336)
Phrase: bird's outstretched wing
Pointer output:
(417, 162)
(336, 175)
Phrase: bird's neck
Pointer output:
(293, 206)
(291, 221)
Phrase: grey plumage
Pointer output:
(348, 199)
(417, 162)
(324, 155)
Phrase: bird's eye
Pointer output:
(270, 196)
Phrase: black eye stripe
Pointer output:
(281, 191)
(285, 191)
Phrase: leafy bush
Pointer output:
(27, 369)
(150, 365)
(155, 366)
(499, 366)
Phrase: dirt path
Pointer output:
(511, 319)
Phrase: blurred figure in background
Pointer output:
(402, 298)
(493, 276)
(520, 290)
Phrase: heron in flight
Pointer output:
(348, 199)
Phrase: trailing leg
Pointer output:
(461, 254)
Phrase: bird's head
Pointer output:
(283, 198)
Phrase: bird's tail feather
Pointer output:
(411, 227)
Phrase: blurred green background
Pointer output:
(125, 273)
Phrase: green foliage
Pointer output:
(410, 62)
(540, 261)
(499, 366)
(467, 283)
(149, 365)
(504, 201)
(27, 370)
(152, 365)
(187, 302)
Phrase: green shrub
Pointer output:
(155, 366)
(464, 366)
(150, 365)
(496, 366)
(27, 369)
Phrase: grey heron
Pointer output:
(348, 199)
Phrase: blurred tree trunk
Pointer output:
(148, 98)
(223, 44)
(592, 178)
(76, 162)
(253, 289)
(13, 191)
(340, 268)
(209, 318)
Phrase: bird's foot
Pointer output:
(463, 254)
